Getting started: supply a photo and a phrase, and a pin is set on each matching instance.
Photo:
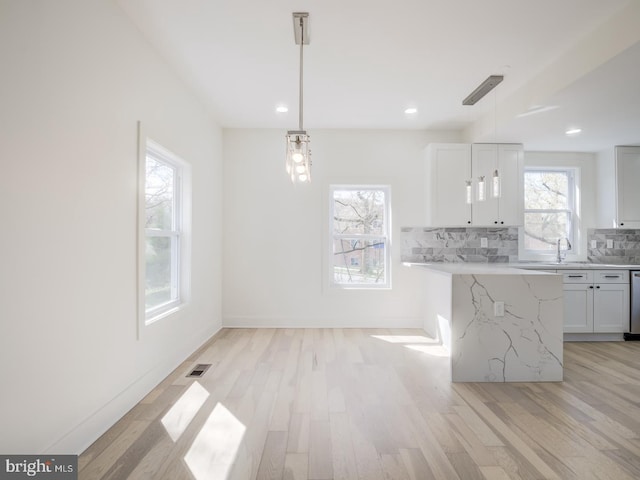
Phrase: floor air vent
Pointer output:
(199, 370)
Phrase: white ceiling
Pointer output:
(369, 60)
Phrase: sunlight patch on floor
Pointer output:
(417, 343)
(214, 450)
(405, 338)
(178, 418)
(433, 350)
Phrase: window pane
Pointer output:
(358, 211)
(546, 190)
(159, 272)
(159, 195)
(358, 261)
(543, 229)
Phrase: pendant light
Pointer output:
(298, 162)
(481, 190)
(481, 185)
(495, 180)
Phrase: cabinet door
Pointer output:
(628, 193)
(448, 169)
(578, 308)
(484, 157)
(611, 308)
(511, 171)
(508, 161)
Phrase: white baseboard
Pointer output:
(80, 437)
(259, 321)
(593, 337)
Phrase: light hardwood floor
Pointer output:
(374, 404)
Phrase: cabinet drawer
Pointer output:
(611, 276)
(577, 276)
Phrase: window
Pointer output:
(163, 217)
(549, 208)
(360, 236)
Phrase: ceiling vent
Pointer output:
(199, 370)
(485, 87)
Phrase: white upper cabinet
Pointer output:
(449, 166)
(628, 189)
(507, 160)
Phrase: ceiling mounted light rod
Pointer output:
(298, 162)
(485, 87)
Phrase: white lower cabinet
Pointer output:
(578, 308)
(596, 301)
(611, 308)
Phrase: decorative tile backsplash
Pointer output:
(443, 244)
(626, 246)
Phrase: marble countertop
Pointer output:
(477, 268)
(574, 266)
(514, 268)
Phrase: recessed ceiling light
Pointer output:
(573, 131)
(411, 110)
(282, 109)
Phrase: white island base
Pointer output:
(524, 345)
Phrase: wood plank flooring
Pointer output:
(374, 404)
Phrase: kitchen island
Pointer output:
(500, 324)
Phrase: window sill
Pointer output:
(342, 288)
(163, 313)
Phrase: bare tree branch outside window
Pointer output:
(548, 208)
(359, 236)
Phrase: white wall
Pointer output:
(588, 189)
(76, 77)
(275, 235)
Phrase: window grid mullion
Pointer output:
(365, 236)
(548, 210)
(150, 232)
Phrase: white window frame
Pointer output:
(385, 235)
(574, 211)
(179, 233)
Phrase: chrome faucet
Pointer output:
(561, 255)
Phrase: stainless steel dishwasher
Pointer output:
(634, 323)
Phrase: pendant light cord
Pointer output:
(495, 117)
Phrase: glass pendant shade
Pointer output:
(481, 190)
(468, 194)
(495, 185)
(298, 162)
